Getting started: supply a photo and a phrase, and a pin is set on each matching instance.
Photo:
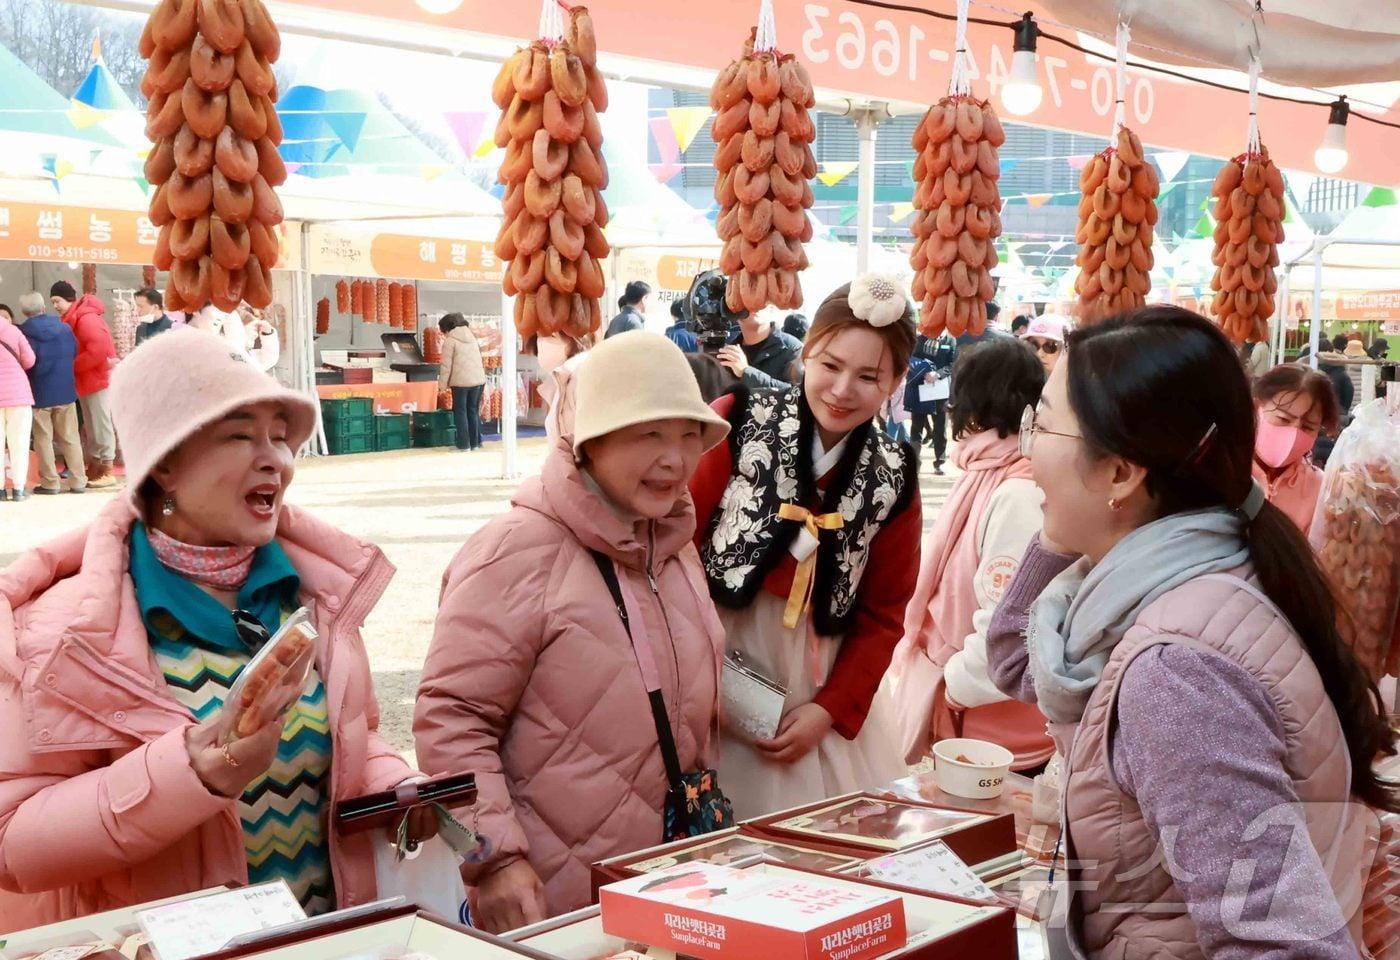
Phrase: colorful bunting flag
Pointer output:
(57, 168)
(466, 127)
(1038, 199)
(1380, 197)
(834, 171)
(346, 126)
(83, 116)
(1205, 227)
(686, 124)
(900, 211)
(1170, 162)
(1079, 161)
(431, 171)
(485, 147)
(849, 214)
(667, 148)
(1008, 164)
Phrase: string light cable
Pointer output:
(1133, 64)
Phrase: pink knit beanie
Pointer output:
(173, 385)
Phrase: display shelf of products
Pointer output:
(937, 928)
(402, 933)
(722, 848)
(877, 823)
(530, 404)
(113, 929)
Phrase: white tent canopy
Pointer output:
(1304, 43)
(1363, 253)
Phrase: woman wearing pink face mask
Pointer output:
(1294, 403)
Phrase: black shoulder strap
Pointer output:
(664, 737)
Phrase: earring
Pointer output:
(1115, 504)
(167, 506)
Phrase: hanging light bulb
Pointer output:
(439, 6)
(1022, 92)
(1331, 155)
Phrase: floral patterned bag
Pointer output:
(694, 803)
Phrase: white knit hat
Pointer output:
(635, 378)
(173, 385)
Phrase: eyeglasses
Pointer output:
(1047, 347)
(1029, 428)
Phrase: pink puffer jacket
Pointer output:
(99, 808)
(15, 390)
(532, 684)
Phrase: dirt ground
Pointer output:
(419, 506)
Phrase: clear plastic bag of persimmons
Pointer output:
(274, 679)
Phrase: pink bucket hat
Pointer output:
(173, 385)
(1048, 327)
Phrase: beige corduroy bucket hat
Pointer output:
(635, 378)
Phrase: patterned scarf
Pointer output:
(220, 568)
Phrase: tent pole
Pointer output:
(1282, 313)
(866, 122)
(304, 323)
(510, 348)
(1315, 334)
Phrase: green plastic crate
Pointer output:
(362, 444)
(350, 427)
(391, 432)
(435, 437)
(391, 424)
(347, 408)
(432, 419)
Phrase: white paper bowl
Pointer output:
(980, 780)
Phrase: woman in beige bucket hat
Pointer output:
(532, 680)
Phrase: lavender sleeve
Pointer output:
(1200, 746)
(1008, 661)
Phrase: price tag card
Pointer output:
(194, 928)
(934, 868)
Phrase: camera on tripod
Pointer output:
(708, 315)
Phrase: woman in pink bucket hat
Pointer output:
(119, 643)
(1046, 336)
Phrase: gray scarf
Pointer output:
(1083, 613)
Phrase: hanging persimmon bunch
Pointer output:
(214, 162)
(763, 136)
(550, 94)
(1117, 218)
(957, 205)
(1249, 209)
